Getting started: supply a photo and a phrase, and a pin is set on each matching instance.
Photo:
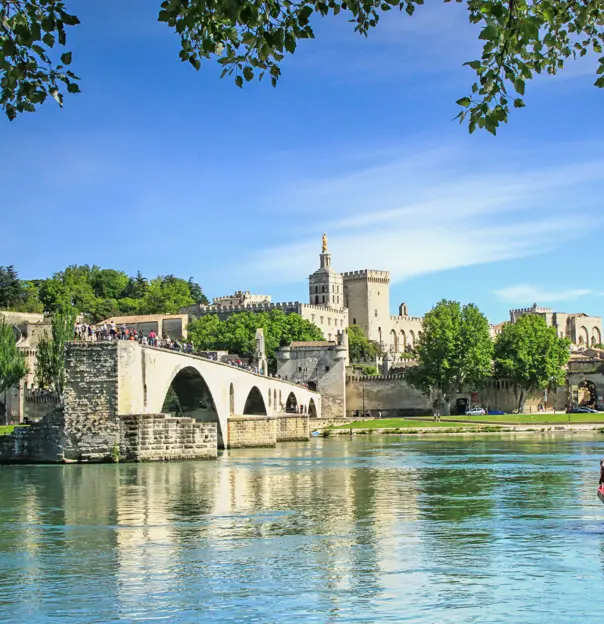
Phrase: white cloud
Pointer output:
(526, 294)
(432, 211)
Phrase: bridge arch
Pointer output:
(291, 405)
(189, 395)
(254, 404)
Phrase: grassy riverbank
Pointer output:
(530, 419)
(398, 423)
(6, 429)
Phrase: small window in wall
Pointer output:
(317, 299)
(321, 320)
(328, 321)
(327, 369)
(375, 313)
(354, 321)
(312, 318)
(338, 299)
(323, 287)
(299, 369)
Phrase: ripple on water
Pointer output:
(447, 530)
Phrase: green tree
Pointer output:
(12, 363)
(197, 293)
(137, 287)
(360, 348)
(108, 283)
(454, 350)
(30, 300)
(531, 354)
(250, 38)
(11, 289)
(50, 355)
(166, 295)
(237, 334)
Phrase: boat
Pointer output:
(601, 493)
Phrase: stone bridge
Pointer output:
(119, 378)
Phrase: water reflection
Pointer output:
(424, 530)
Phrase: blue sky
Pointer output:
(160, 168)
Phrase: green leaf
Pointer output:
(599, 82)
(464, 101)
(66, 58)
(489, 33)
(304, 14)
(248, 73)
(195, 62)
(72, 87)
(239, 81)
(519, 86)
(519, 103)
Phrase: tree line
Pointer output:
(456, 351)
(97, 293)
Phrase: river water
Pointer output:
(418, 530)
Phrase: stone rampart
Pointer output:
(41, 442)
(159, 437)
(292, 428)
(251, 431)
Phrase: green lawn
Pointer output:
(532, 418)
(6, 429)
(396, 423)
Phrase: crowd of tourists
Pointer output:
(111, 331)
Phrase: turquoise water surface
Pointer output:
(431, 530)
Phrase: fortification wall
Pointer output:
(42, 442)
(391, 395)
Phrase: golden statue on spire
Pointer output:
(324, 243)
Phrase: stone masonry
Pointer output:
(292, 428)
(158, 437)
(251, 431)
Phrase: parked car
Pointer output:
(475, 411)
(496, 413)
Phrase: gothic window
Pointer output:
(323, 298)
(317, 299)
(324, 288)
